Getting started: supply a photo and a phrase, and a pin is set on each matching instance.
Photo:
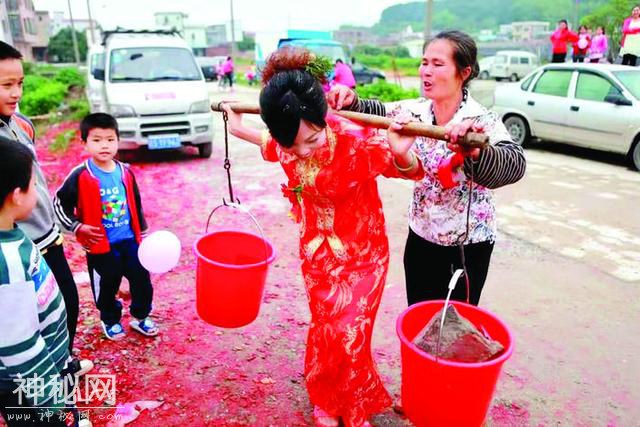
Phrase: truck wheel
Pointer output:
(205, 150)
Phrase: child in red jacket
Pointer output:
(99, 201)
(582, 45)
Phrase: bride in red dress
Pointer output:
(332, 165)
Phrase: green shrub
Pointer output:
(28, 67)
(79, 108)
(70, 77)
(397, 51)
(386, 92)
(41, 96)
(32, 83)
(45, 88)
(62, 141)
(405, 66)
(45, 70)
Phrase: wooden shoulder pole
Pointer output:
(471, 140)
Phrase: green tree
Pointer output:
(61, 46)
(367, 49)
(444, 19)
(247, 43)
(477, 15)
(611, 16)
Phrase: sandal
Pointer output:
(323, 419)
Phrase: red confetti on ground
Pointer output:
(205, 375)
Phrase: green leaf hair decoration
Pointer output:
(319, 67)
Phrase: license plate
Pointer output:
(163, 142)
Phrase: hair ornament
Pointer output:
(319, 67)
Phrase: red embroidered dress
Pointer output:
(345, 256)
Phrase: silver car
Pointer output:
(590, 105)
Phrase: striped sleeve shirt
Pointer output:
(501, 163)
(33, 320)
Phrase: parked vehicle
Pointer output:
(513, 64)
(366, 75)
(485, 67)
(153, 86)
(209, 66)
(589, 105)
(95, 61)
(335, 50)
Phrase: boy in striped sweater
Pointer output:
(39, 225)
(34, 339)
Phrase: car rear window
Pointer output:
(554, 82)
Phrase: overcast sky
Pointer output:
(251, 14)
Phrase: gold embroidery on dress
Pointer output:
(307, 171)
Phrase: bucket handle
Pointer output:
(245, 210)
(451, 287)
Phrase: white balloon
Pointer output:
(160, 251)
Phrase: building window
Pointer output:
(16, 26)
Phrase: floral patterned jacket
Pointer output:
(439, 215)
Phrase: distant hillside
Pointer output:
(475, 15)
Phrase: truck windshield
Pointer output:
(332, 51)
(149, 64)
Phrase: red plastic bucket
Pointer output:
(231, 272)
(445, 393)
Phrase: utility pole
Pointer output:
(73, 35)
(93, 40)
(576, 13)
(428, 21)
(233, 32)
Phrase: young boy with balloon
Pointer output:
(99, 201)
